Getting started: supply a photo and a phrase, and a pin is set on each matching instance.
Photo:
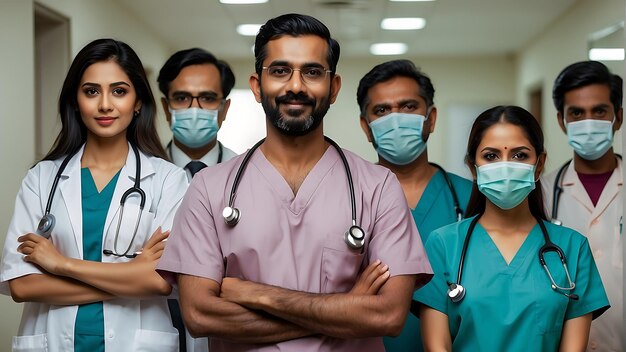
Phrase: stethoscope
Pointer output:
(558, 189)
(456, 291)
(354, 237)
(47, 222)
(455, 199)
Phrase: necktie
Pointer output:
(195, 166)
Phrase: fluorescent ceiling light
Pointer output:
(388, 48)
(400, 24)
(410, 0)
(242, 2)
(248, 29)
(605, 54)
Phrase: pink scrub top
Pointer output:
(294, 242)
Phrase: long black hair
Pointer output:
(141, 131)
(526, 121)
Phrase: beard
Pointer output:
(294, 124)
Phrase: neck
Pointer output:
(294, 152)
(516, 218)
(416, 171)
(109, 153)
(606, 163)
(195, 153)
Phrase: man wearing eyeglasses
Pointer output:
(291, 274)
(195, 86)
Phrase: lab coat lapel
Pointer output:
(610, 191)
(576, 188)
(70, 190)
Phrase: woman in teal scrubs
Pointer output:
(89, 284)
(508, 302)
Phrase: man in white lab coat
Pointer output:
(586, 193)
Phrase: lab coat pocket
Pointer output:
(616, 250)
(34, 343)
(155, 341)
(135, 228)
(339, 270)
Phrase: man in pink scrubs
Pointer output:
(283, 278)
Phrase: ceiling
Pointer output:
(453, 27)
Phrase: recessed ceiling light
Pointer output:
(400, 24)
(248, 29)
(605, 54)
(388, 48)
(410, 0)
(242, 2)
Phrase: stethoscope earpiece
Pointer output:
(456, 292)
(355, 237)
(46, 224)
(231, 215)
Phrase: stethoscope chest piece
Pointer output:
(231, 215)
(456, 292)
(355, 237)
(46, 224)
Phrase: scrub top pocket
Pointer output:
(550, 306)
(339, 270)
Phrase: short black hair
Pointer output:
(294, 25)
(391, 69)
(194, 56)
(585, 73)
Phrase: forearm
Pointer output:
(435, 330)
(575, 334)
(206, 314)
(342, 315)
(51, 289)
(131, 279)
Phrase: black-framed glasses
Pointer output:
(309, 74)
(185, 100)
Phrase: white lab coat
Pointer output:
(602, 226)
(130, 324)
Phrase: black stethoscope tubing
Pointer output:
(455, 199)
(47, 222)
(548, 246)
(354, 237)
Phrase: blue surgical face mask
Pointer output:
(590, 138)
(506, 184)
(398, 137)
(194, 127)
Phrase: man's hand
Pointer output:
(371, 279)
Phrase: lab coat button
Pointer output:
(595, 221)
(111, 334)
(593, 345)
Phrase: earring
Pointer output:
(136, 113)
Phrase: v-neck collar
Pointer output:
(89, 184)
(523, 254)
(312, 181)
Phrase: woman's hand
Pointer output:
(41, 252)
(153, 249)
(371, 279)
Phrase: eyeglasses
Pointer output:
(310, 75)
(185, 100)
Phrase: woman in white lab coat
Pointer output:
(89, 283)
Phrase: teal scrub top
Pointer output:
(434, 210)
(510, 307)
(89, 326)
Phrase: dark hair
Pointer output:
(194, 56)
(582, 74)
(391, 69)
(515, 116)
(141, 131)
(294, 25)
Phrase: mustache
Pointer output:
(291, 97)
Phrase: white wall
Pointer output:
(565, 42)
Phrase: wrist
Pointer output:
(66, 267)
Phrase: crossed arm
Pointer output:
(246, 311)
(70, 281)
